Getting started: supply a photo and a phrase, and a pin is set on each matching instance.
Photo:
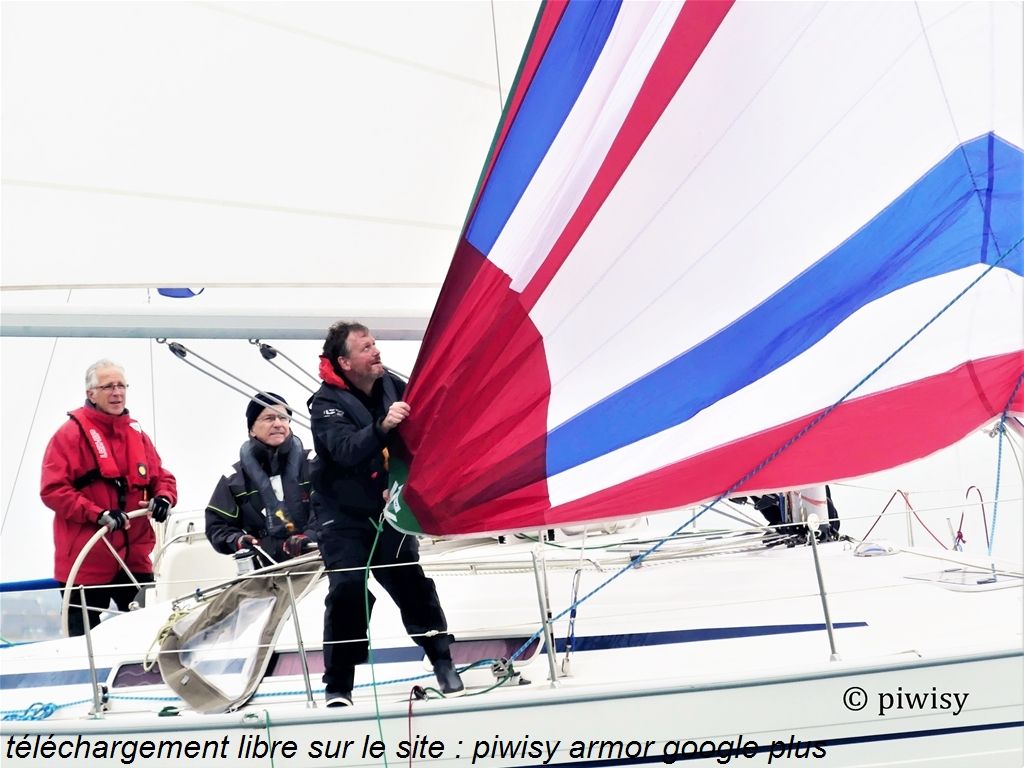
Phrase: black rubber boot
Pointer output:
(338, 698)
(448, 679)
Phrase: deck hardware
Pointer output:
(310, 703)
(812, 534)
(545, 617)
(99, 696)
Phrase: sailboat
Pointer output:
(717, 250)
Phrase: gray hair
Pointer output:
(92, 378)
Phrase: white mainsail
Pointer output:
(302, 161)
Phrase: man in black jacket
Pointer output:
(264, 502)
(355, 417)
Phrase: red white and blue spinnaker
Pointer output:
(720, 248)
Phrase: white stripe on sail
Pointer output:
(582, 143)
(985, 323)
(812, 140)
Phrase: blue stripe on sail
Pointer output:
(565, 68)
(946, 221)
(988, 197)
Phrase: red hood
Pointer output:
(94, 413)
(329, 376)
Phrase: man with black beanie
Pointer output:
(355, 418)
(263, 504)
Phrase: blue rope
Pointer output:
(781, 449)
(39, 710)
(121, 697)
(999, 459)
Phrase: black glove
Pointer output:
(159, 506)
(296, 545)
(246, 541)
(114, 519)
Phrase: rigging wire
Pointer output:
(268, 353)
(910, 508)
(497, 60)
(828, 411)
(230, 203)
(999, 460)
(31, 425)
(337, 42)
(152, 376)
(181, 352)
(983, 198)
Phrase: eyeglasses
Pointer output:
(270, 418)
(112, 387)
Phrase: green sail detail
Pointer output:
(397, 511)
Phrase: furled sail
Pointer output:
(725, 247)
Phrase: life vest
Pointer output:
(284, 516)
(356, 408)
(106, 466)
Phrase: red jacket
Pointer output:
(69, 458)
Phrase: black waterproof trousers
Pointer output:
(121, 590)
(345, 543)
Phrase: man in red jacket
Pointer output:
(99, 466)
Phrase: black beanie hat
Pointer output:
(261, 401)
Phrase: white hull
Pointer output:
(774, 720)
(680, 652)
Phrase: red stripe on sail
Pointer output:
(693, 29)
(861, 436)
(478, 425)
